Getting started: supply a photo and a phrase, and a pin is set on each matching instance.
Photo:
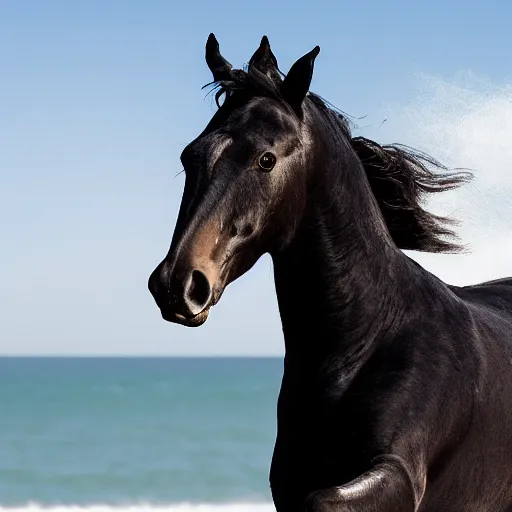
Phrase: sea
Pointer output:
(137, 434)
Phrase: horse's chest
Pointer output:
(323, 438)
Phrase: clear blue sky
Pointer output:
(97, 100)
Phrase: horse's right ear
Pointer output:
(296, 84)
(219, 66)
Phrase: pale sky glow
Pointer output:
(97, 100)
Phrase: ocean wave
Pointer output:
(143, 507)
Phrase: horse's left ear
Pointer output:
(296, 84)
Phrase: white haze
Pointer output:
(465, 123)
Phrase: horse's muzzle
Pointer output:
(184, 296)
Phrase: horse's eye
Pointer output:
(267, 161)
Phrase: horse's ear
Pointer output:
(296, 84)
(265, 61)
(219, 66)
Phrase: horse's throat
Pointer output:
(337, 291)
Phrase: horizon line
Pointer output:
(142, 356)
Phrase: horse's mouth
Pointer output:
(194, 321)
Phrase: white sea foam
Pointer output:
(142, 507)
(464, 122)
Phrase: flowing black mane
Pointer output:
(400, 177)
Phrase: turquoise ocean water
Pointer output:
(142, 434)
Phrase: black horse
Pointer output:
(397, 388)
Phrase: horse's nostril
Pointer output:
(199, 289)
(197, 292)
(158, 280)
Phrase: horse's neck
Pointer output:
(340, 283)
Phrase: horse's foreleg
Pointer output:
(387, 487)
